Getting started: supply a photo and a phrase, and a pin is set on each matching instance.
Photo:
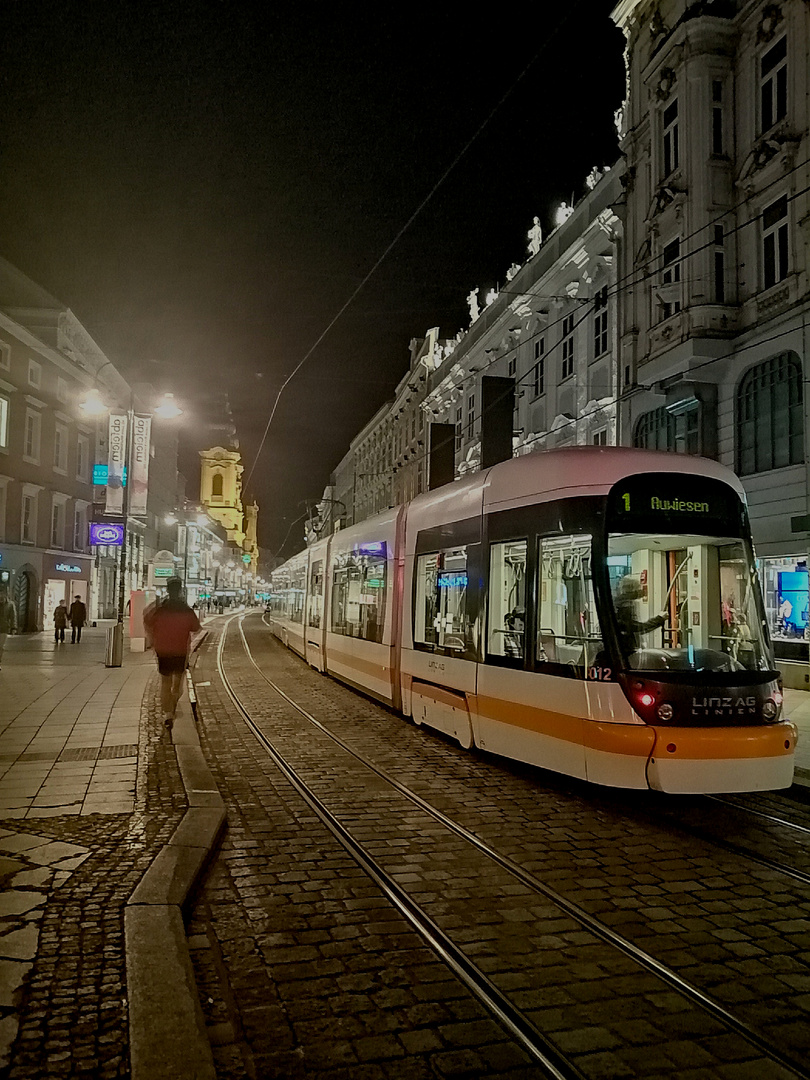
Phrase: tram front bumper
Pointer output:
(704, 760)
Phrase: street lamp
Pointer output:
(93, 405)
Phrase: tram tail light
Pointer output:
(646, 699)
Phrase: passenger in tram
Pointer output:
(630, 628)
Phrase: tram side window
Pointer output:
(315, 594)
(358, 593)
(295, 600)
(568, 626)
(440, 602)
(507, 600)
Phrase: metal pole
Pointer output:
(118, 643)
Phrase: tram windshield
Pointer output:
(684, 590)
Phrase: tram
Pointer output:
(594, 611)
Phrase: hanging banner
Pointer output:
(141, 426)
(115, 462)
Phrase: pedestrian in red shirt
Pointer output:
(171, 624)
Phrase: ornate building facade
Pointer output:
(715, 294)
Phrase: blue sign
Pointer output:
(67, 568)
(452, 579)
(100, 475)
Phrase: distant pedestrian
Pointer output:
(60, 621)
(78, 617)
(8, 620)
(170, 625)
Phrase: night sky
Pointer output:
(205, 184)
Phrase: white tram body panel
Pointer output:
(442, 638)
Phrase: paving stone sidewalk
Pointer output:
(89, 793)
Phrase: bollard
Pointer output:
(114, 647)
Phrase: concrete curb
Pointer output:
(167, 1036)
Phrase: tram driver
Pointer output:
(631, 628)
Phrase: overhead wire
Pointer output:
(404, 228)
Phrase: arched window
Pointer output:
(216, 486)
(770, 424)
(675, 429)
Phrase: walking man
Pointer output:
(78, 617)
(60, 620)
(8, 620)
(170, 625)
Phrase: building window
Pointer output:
(539, 369)
(717, 117)
(773, 84)
(62, 389)
(5, 356)
(769, 416)
(34, 374)
(60, 448)
(775, 242)
(512, 367)
(458, 428)
(33, 425)
(58, 523)
(662, 429)
(471, 415)
(216, 486)
(719, 266)
(82, 457)
(671, 279)
(567, 346)
(5, 408)
(79, 528)
(600, 322)
(28, 528)
(671, 152)
(600, 437)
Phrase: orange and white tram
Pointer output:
(592, 610)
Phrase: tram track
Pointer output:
(512, 1018)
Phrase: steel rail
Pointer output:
(760, 813)
(600, 930)
(515, 1022)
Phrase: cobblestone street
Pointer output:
(307, 970)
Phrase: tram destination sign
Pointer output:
(676, 503)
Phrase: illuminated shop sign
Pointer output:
(375, 548)
(109, 533)
(452, 579)
(68, 568)
(100, 474)
(375, 583)
(163, 571)
(246, 558)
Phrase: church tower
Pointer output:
(251, 544)
(221, 490)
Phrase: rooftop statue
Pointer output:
(513, 269)
(535, 235)
(472, 300)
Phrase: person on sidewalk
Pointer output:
(60, 621)
(78, 617)
(170, 625)
(8, 620)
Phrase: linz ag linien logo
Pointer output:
(723, 706)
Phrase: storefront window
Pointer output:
(786, 590)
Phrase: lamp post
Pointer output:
(94, 406)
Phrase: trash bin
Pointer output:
(114, 650)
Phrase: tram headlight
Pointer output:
(770, 710)
(665, 711)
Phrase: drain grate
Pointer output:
(124, 750)
(80, 753)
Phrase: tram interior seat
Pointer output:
(547, 646)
